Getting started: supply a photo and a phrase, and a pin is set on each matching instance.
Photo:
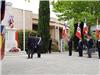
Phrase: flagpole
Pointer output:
(97, 23)
(85, 19)
(23, 29)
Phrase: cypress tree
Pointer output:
(43, 24)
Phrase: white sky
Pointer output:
(33, 5)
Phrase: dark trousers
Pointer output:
(70, 51)
(38, 51)
(80, 52)
(89, 52)
(99, 52)
(49, 50)
(32, 51)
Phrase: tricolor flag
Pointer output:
(78, 32)
(2, 41)
(11, 21)
(65, 31)
(85, 28)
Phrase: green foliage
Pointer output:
(77, 10)
(32, 33)
(93, 35)
(71, 27)
(20, 39)
(43, 25)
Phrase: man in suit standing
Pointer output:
(89, 45)
(31, 46)
(38, 41)
(50, 44)
(98, 47)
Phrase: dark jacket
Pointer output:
(31, 42)
(90, 43)
(70, 44)
(38, 41)
(98, 44)
(80, 45)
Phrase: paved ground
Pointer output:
(50, 64)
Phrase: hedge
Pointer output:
(54, 47)
(20, 38)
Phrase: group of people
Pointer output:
(35, 46)
(89, 44)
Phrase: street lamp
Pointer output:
(24, 25)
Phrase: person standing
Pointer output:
(70, 47)
(38, 46)
(50, 43)
(31, 46)
(98, 47)
(89, 45)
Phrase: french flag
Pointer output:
(78, 32)
(11, 21)
(65, 32)
(85, 29)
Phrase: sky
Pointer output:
(33, 5)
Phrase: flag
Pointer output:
(2, 41)
(85, 29)
(78, 32)
(65, 31)
(16, 36)
(64, 34)
(11, 22)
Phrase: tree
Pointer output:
(43, 24)
(77, 10)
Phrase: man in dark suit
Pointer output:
(31, 46)
(50, 43)
(90, 45)
(98, 47)
(38, 41)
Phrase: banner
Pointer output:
(85, 28)
(78, 32)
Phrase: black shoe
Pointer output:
(39, 55)
(80, 56)
(70, 55)
(28, 58)
(89, 57)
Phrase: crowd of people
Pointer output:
(35, 44)
(89, 44)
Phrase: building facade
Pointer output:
(30, 20)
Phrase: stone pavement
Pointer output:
(50, 64)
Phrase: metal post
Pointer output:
(23, 29)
